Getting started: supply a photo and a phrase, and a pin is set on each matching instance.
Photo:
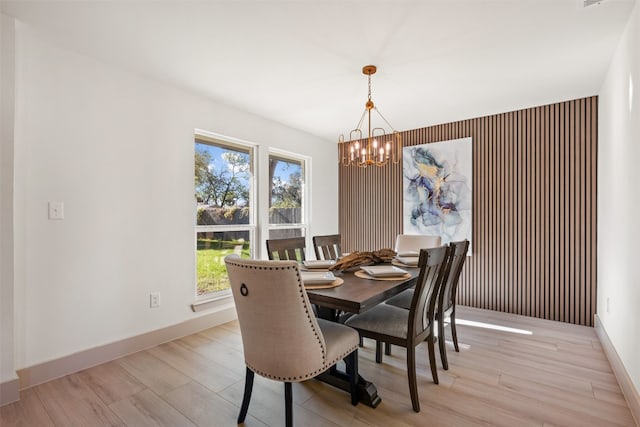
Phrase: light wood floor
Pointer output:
(556, 375)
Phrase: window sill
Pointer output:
(213, 302)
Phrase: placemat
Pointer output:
(361, 274)
(333, 284)
(399, 264)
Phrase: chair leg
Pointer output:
(248, 387)
(288, 404)
(387, 349)
(352, 370)
(378, 351)
(454, 333)
(411, 373)
(432, 358)
(441, 344)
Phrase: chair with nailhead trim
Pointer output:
(410, 244)
(281, 338)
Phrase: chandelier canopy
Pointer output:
(379, 147)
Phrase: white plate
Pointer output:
(383, 271)
(408, 254)
(317, 277)
(318, 263)
(408, 260)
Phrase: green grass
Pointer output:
(212, 274)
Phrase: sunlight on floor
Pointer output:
(491, 326)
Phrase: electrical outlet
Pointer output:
(608, 305)
(56, 210)
(154, 300)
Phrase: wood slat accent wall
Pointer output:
(534, 209)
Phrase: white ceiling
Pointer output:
(299, 62)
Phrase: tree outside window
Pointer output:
(223, 223)
(286, 204)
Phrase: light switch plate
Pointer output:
(56, 210)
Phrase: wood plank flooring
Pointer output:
(538, 373)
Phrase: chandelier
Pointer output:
(379, 147)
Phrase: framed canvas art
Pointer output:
(437, 189)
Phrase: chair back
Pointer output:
(458, 256)
(327, 247)
(433, 264)
(280, 334)
(286, 249)
(413, 243)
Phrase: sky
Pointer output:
(283, 170)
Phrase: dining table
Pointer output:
(356, 295)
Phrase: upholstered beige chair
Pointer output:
(409, 328)
(327, 247)
(292, 248)
(446, 308)
(281, 338)
(409, 243)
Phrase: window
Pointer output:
(287, 207)
(225, 223)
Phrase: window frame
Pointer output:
(210, 138)
(305, 208)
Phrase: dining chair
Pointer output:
(446, 308)
(281, 338)
(327, 247)
(407, 243)
(292, 248)
(412, 243)
(409, 328)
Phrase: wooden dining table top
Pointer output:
(357, 295)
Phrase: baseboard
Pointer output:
(9, 391)
(57, 368)
(628, 388)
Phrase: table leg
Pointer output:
(367, 391)
(327, 313)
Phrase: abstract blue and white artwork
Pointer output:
(437, 189)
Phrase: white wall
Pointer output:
(117, 149)
(619, 200)
(7, 372)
